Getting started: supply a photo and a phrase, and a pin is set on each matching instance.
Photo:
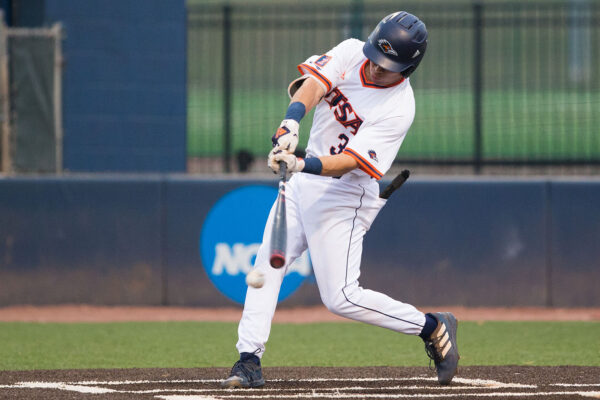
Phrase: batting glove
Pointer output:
(294, 164)
(271, 160)
(286, 137)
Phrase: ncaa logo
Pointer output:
(231, 236)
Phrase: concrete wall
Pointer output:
(135, 240)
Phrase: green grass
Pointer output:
(27, 346)
(516, 124)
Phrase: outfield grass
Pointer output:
(27, 346)
(516, 124)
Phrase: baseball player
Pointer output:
(364, 106)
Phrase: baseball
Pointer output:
(255, 278)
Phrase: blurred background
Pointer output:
(507, 87)
(125, 122)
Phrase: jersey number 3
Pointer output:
(340, 146)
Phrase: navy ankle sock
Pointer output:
(430, 325)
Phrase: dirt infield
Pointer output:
(87, 313)
(302, 383)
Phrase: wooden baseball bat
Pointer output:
(279, 231)
(396, 183)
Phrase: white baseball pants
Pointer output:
(329, 217)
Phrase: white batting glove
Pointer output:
(294, 164)
(271, 161)
(286, 137)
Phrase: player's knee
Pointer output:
(336, 308)
(330, 300)
(339, 304)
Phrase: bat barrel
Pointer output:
(277, 260)
(279, 231)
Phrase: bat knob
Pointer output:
(277, 260)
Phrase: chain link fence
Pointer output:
(31, 98)
(503, 85)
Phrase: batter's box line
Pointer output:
(308, 393)
(575, 384)
(386, 396)
(466, 381)
(96, 386)
(325, 390)
(129, 382)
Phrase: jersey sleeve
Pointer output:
(329, 67)
(375, 146)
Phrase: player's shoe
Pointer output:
(246, 373)
(442, 349)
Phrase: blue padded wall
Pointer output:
(461, 242)
(124, 84)
(120, 240)
(80, 240)
(574, 237)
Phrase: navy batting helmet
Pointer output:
(398, 43)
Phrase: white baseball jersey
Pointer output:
(357, 117)
(330, 216)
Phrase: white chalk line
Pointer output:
(188, 397)
(62, 386)
(386, 396)
(90, 387)
(130, 382)
(334, 389)
(488, 383)
(476, 382)
(575, 384)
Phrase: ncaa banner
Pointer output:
(231, 236)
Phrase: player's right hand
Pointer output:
(274, 165)
(286, 137)
(294, 164)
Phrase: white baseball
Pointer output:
(255, 278)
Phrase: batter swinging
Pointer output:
(364, 108)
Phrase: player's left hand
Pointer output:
(286, 137)
(294, 164)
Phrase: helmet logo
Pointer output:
(386, 47)
(416, 53)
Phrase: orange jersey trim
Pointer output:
(363, 164)
(317, 75)
(367, 83)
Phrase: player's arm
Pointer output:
(307, 96)
(337, 165)
(309, 93)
